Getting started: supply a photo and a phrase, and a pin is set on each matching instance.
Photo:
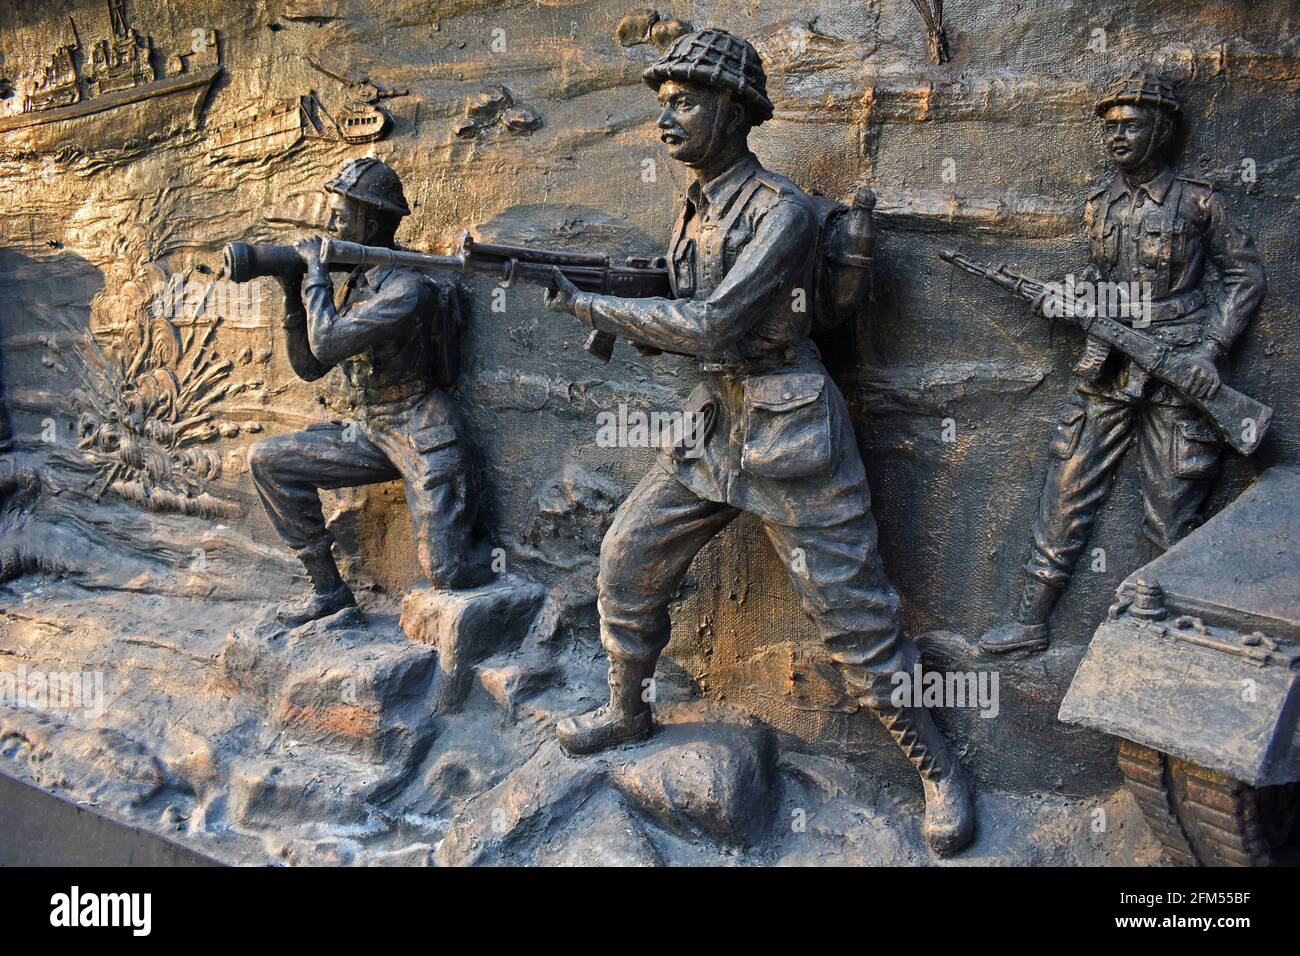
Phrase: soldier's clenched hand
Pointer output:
(561, 294)
(309, 250)
(1202, 374)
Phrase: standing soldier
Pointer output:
(398, 422)
(775, 433)
(1157, 230)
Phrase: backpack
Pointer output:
(845, 236)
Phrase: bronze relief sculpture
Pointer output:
(455, 723)
(775, 434)
(1155, 230)
(382, 327)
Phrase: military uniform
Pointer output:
(1162, 233)
(1150, 232)
(777, 439)
(769, 433)
(394, 421)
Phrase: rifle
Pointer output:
(591, 272)
(1241, 420)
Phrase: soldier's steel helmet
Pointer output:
(717, 59)
(1140, 88)
(373, 182)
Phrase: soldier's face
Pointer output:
(348, 220)
(690, 125)
(1131, 134)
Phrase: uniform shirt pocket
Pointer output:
(1154, 244)
(787, 426)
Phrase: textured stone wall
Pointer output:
(88, 231)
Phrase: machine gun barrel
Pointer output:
(590, 272)
(1020, 285)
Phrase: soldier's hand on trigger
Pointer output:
(309, 250)
(561, 294)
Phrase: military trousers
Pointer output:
(836, 571)
(1178, 456)
(421, 446)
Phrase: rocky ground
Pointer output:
(350, 742)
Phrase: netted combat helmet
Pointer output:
(1140, 88)
(717, 59)
(373, 182)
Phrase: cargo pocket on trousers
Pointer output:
(1068, 431)
(439, 457)
(1196, 449)
(787, 426)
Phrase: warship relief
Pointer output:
(116, 99)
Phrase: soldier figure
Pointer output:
(396, 422)
(1151, 227)
(776, 437)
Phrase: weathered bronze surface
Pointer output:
(1217, 774)
(387, 332)
(770, 433)
(202, 375)
(1152, 230)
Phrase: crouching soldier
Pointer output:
(382, 326)
(776, 437)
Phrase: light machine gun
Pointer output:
(590, 272)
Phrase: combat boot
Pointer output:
(949, 808)
(329, 592)
(1028, 629)
(625, 718)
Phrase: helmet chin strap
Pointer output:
(718, 116)
(1161, 122)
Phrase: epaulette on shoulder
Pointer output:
(774, 182)
(1207, 184)
(1096, 193)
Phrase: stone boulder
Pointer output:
(706, 778)
(341, 690)
(468, 626)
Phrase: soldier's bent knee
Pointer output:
(262, 458)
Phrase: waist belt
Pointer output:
(1177, 306)
(386, 394)
(758, 365)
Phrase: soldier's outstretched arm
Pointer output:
(782, 238)
(1242, 271)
